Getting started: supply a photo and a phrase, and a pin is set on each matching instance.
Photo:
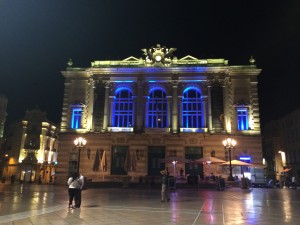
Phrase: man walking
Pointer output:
(81, 183)
(164, 187)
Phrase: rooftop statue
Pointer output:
(158, 55)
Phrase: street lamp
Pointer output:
(229, 144)
(79, 143)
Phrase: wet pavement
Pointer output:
(48, 204)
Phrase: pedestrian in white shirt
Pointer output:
(74, 182)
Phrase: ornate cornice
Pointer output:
(215, 82)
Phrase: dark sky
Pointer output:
(38, 37)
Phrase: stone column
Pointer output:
(180, 112)
(90, 105)
(106, 109)
(229, 111)
(140, 105)
(169, 111)
(209, 110)
(174, 106)
(204, 112)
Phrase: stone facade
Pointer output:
(161, 88)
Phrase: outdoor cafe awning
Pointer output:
(236, 163)
(209, 160)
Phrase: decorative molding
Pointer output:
(215, 82)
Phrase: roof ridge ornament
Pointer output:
(252, 60)
(158, 56)
(70, 63)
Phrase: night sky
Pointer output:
(38, 37)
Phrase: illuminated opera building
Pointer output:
(138, 115)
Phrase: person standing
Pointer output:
(81, 183)
(181, 172)
(73, 190)
(164, 187)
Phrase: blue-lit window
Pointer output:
(76, 117)
(123, 109)
(242, 118)
(191, 108)
(157, 109)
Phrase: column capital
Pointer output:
(140, 82)
(106, 81)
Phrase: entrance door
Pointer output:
(118, 155)
(155, 154)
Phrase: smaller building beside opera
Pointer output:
(138, 115)
(282, 147)
(30, 147)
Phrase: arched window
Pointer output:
(77, 110)
(123, 108)
(157, 109)
(191, 108)
(242, 118)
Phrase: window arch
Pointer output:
(192, 108)
(123, 108)
(77, 111)
(242, 118)
(157, 109)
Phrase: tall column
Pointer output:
(204, 112)
(90, 105)
(169, 111)
(229, 110)
(140, 105)
(179, 112)
(209, 110)
(106, 109)
(174, 106)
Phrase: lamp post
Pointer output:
(229, 144)
(79, 143)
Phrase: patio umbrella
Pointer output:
(237, 163)
(96, 162)
(130, 161)
(103, 164)
(209, 160)
(133, 160)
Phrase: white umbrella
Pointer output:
(103, 164)
(209, 160)
(236, 163)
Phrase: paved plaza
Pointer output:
(48, 204)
